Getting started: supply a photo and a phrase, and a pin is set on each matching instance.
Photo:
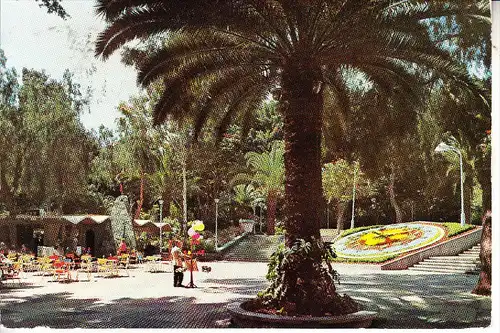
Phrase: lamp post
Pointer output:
(161, 222)
(261, 206)
(328, 214)
(353, 197)
(443, 147)
(216, 216)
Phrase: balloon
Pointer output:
(196, 236)
(191, 232)
(199, 226)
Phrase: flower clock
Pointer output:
(387, 240)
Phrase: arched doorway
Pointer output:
(90, 240)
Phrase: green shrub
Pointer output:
(455, 228)
(279, 228)
(378, 259)
(208, 245)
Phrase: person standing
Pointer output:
(176, 253)
(122, 249)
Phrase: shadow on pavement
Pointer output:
(402, 301)
(419, 301)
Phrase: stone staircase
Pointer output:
(254, 248)
(466, 262)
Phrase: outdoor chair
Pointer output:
(44, 265)
(27, 263)
(125, 262)
(10, 273)
(86, 266)
(107, 267)
(61, 271)
(18, 266)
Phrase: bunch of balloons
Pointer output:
(193, 232)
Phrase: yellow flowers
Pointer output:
(382, 237)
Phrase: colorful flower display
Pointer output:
(390, 239)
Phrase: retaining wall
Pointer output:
(221, 251)
(448, 248)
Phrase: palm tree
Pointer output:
(221, 58)
(268, 175)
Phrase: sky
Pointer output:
(32, 38)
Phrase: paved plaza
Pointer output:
(404, 299)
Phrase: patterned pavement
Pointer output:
(404, 299)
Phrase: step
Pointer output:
(448, 265)
(451, 262)
(453, 259)
(466, 255)
(471, 253)
(435, 270)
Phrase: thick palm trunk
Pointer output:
(306, 287)
(392, 196)
(302, 108)
(271, 212)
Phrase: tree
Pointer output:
(338, 181)
(54, 6)
(246, 195)
(221, 60)
(39, 122)
(268, 174)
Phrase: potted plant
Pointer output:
(275, 308)
(247, 225)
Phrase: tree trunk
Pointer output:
(141, 197)
(341, 206)
(484, 177)
(392, 195)
(483, 286)
(271, 212)
(184, 199)
(302, 111)
(304, 284)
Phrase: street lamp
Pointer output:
(443, 147)
(328, 214)
(216, 215)
(161, 222)
(353, 197)
(261, 206)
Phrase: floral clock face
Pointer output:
(391, 239)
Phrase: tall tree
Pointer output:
(268, 174)
(41, 126)
(339, 177)
(222, 59)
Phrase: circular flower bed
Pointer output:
(387, 240)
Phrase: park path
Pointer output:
(403, 299)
